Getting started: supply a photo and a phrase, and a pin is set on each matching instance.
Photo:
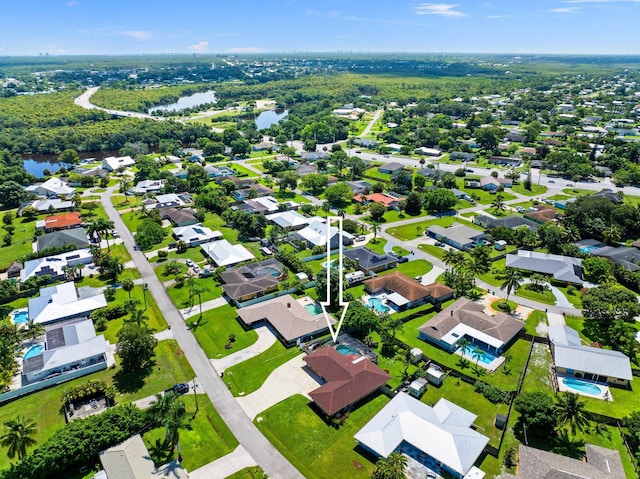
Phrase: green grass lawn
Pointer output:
(400, 250)
(182, 297)
(536, 317)
(484, 197)
(559, 197)
(120, 252)
(314, 448)
(416, 230)
(249, 375)
(538, 377)
(377, 245)
(575, 299)
(122, 202)
(21, 241)
(536, 190)
(433, 250)
(390, 216)
(133, 220)
(497, 269)
(214, 329)
(577, 192)
(241, 169)
(417, 267)
(170, 367)
(208, 439)
(546, 297)
(254, 472)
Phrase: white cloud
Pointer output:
(564, 10)
(200, 47)
(137, 34)
(72, 3)
(443, 9)
(245, 50)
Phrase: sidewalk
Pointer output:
(265, 340)
(206, 306)
(225, 466)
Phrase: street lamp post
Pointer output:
(144, 293)
(195, 393)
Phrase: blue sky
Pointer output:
(71, 27)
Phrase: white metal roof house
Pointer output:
(563, 268)
(54, 265)
(315, 234)
(195, 235)
(43, 205)
(440, 437)
(67, 347)
(597, 364)
(114, 163)
(289, 220)
(51, 188)
(60, 302)
(224, 253)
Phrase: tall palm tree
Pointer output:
(478, 354)
(476, 266)
(34, 329)
(197, 291)
(512, 281)
(375, 227)
(498, 204)
(570, 411)
(127, 285)
(392, 467)
(450, 256)
(170, 412)
(612, 234)
(418, 230)
(138, 317)
(18, 436)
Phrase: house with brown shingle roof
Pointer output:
(544, 214)
(348, 380)
(404, 292)
(601, 463)
(466, 318)
(252, 280)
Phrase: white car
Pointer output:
(189, 262)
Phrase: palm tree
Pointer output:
(34, 330)
(612, 234)
(450, 256)
(418, 230)
(476, 266)
(498, 204)
(391, 468)
(170, 412)
(478, 354)
(138, 317)
(18, 437)
(512, 280)
(127, 285)
(375, 227)
(570, 411)
(326, 206)
(197, 291)
(404, 356)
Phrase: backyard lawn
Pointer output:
(416, 230)
(316, 449)
(214, 329)
(249, 375)
(538, 377)
(208, 439)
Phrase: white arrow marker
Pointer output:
(341, 302)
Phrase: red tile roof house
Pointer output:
(389, 202)
(64, 221)
(348, 380)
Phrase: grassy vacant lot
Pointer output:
(484, 197)
(249, 375)
(21, 241)
(208, 440)
(316, 449)
(120, 251)
(536, 317)
(214, 329)
(416, 230)
(133, 220)
(43, 407)
(536, 190)
(433, 250)
(538, 377)
(255, 472)
(182, 297)
(413, 268)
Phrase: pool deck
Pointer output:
(382, 297)
(491, 367)
(605, 395)
(13, 314)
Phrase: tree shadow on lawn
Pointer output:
(198, 322)
(558, 442)
(131, 382)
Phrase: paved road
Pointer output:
(84, 101)
(366, 131)
(262, 451)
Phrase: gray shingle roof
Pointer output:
(368, 259)
(76, 236)
(563, 268)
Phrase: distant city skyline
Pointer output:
(84, 27)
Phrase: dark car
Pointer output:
(403, 259)
(439, 243)
(181, 388)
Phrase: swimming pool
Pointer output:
(376, 305)
(589, 249)
(582, 386)
(333, 263)
(20, 317)
(267, 270)
(34, 351)
(486, 359)
(313, 309)
(347, 350)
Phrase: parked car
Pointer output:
(418, 278)
(468, 170)
(551, 181)
(439, 243)
(403, 259)
(394, 254)
(181, 388)
(360, 238)
(189, 262)
(136, 247)
(520, 209)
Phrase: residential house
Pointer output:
(62, 221)
(393, 146)
(441, 437)
(403, 292)
(219, 171)
(293, 320)
(466, 318)
(610, 195)
(62, 302)
(131, 460)
(51, 188)
(462, 156)
(44, 205)
(169, 200)
(543, 214)
(599, 463)
(430, 173)
(505, 161)
(262, 146)
(390, 168)
(304, 170)
(224, 253)
(348, 380)
(562, 268)
(562, 204)
(179, 217)
(627, 257)
(55, 265)
(57, 239)
(489, 183)
(390, 202)
(113, 163)
(370, 262)
(264, 205)
(314, 156)
(149, 186)
(506, 222)
(315, 234)
(195, 235)
(457, 235)
(365, 143)
(571, 358)
(359, 187)
(253, 280)
(289, 220)
(69, 347)
(427, 151)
